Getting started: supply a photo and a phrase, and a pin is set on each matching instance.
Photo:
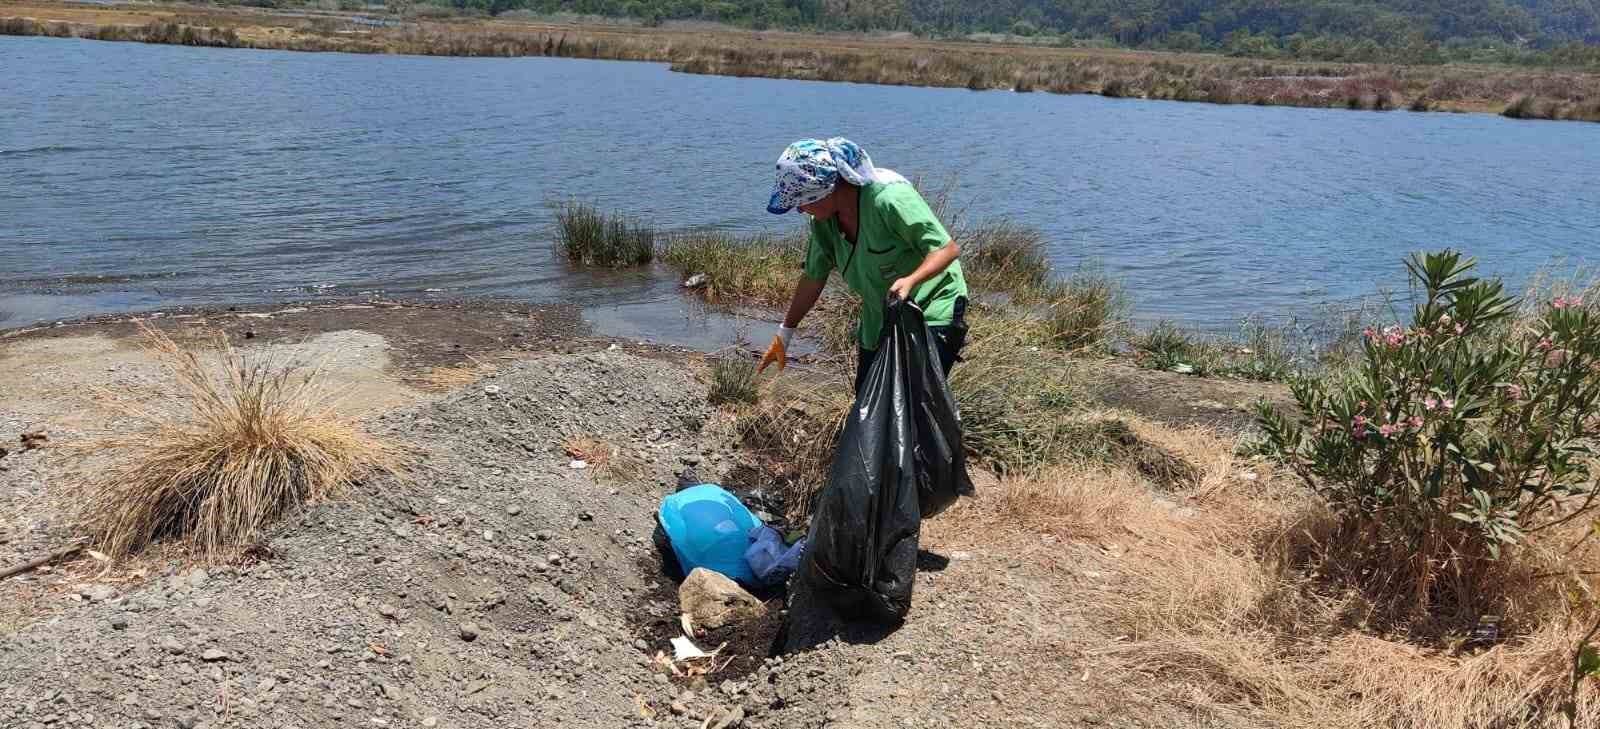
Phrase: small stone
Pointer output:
(469, 632)
(542, 536)
(513, 510)
(488, 535)
(662, 679)
(712, 600)
(731, 719)
(171, 645)
(388, 611)
(585, 516)
(119, 622)
(960, 556)
(491, 389)
(998, 697)
(430, 722)
(99, 593)
(678, 709)
(197, 578)
(391, 691)
(578, 465)
(266, 685)
(213, 655)
(642, 644)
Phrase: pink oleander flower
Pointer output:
(1546, 345)
(1369, 333)
(1447, 404)
(1387, 430)
(1394, 336)
(1514, 392)
(1560, 302)
(1431, 404)
(1415, 422)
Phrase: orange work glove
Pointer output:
(778, 351)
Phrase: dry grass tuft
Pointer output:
(1215, 609)
(604, 459)
(250, 442)
(445, 379)
(792, 433)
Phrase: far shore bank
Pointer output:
(1513, 92)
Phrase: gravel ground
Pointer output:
(498, 586)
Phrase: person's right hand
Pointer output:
(778, 351)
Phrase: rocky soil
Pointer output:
(495, 585)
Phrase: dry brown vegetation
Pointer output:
(445, 379)
(247, 442)
(1552, 94)
(602, 458)
(1214, 598)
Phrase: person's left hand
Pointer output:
(901, 289)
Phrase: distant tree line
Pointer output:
(1565, 32)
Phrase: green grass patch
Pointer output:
(739, 270)
(733, 381)
(589, 237)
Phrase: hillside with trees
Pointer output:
(1418, 31)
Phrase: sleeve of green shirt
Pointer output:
(909, 216)
(819, 256)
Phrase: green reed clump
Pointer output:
(1167, 346)
(1021, 404)
(591, 238)
(733, 381)
(738, 269)
(1003, 257)
(1084, 312)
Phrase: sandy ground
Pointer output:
(359, 615)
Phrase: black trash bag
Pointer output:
(898, 459)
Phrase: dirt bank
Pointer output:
(493, 585)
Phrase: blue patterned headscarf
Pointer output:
(809, 169)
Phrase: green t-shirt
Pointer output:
(896, 232)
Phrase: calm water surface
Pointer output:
(139, 176)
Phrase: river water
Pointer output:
(140, 177)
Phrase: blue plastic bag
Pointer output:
(708, 527)
(770, 559)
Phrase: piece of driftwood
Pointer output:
(55, 556)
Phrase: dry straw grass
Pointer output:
(604, 459)
(445, 379)
(792, 432)
(1215, 608)
(248, 442)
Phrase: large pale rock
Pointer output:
(712, 600)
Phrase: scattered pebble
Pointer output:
(469, 632)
